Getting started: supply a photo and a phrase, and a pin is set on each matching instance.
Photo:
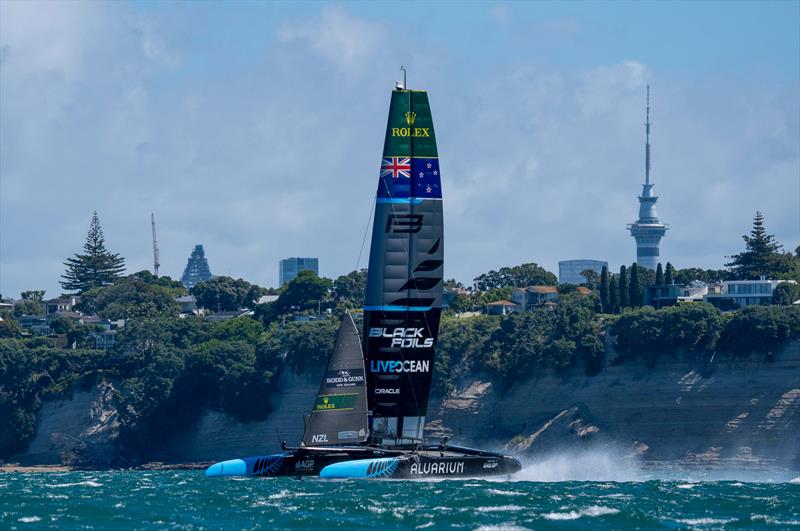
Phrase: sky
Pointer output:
(256, 129)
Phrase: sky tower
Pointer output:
(647, 230)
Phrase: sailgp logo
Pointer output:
(390, 366)
(403, 223)
(403, 337)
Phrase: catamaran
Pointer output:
(368, 418)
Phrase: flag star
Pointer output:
(429, 165)
(435, 172)
(421, 175)
(429, 189)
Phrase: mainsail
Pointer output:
(339, 415)
(404, 283)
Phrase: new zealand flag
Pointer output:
(425, 178)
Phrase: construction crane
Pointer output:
(155, 245)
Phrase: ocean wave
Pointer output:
(705, 521)
(500, 509)
(505, 492)
(795, 481)
(594, 510)
(774, 521)
(285, 493)
(29, 519)
(76, 484)
(501, 527)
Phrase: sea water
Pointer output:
(187, 500)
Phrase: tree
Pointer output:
(685, 276)
(305, 291)
(659, 275)
(33, 295)
(28, 307)
(226, 294)
(520, 276)
(635, 289)
(613, 294)
(759, 257)
(130, 298)
(669, 275)
(9, 329)
(96, 267)
(624, 288)
(605, 294)
(351, 287)
(785, 293)
(592, 278)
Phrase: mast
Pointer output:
(156, 263)
(647, 141)
(404, 284)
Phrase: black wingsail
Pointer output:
(404, 283)
(339, 415)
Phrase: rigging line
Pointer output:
(363, 243)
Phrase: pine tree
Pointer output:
(659, 275)
(613, 294)
(623, 288)
(669, 276)
(604, 290)
(759, 257)
(634, 290)
(96, 267)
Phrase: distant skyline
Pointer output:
(256, 129)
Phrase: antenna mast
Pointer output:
(155, 245)
(647, 141)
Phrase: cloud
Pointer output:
(346, 41)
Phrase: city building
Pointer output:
(569, 271)
(501, 307)
(61, 304)
(526, 298)
(187, 303)
(647, 230)
(197, 269)
(742, 293)
(288, 268)
(672, 294)
(224, 316)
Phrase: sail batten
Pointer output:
(404, 284)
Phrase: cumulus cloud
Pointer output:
(342, 39)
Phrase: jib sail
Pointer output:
(339, 415)
(404, 283)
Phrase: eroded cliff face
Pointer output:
(79, 430)
(745, 413)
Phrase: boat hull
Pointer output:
(415, 466)
(375, 463)
(296, 462)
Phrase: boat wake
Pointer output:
(589, 465)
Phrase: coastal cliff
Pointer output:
(741, 413)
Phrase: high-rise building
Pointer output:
(197, 270)
(647, 230)
(569, 271)
(290, 267)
